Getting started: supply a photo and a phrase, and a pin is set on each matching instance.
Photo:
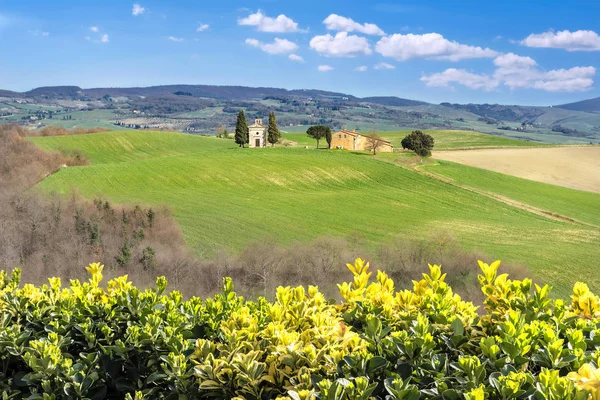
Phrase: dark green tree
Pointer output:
(419, 142)
(328, 136)
(274, 134)
(241, 129)
(124, 255)
(148, 259)
(319, 132)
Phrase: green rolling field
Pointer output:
(226, 197)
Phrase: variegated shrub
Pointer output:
(89, 341)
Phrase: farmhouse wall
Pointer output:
(351, 140)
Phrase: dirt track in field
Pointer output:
(572, 167)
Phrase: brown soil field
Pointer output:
(573, 167)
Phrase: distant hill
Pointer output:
(202, 108)
(591, 105)
(392, 101)
(55, 92)
(500, 112)
(208, 91)
(8, 93)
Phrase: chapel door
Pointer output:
(257, 142)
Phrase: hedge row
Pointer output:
(87, 341)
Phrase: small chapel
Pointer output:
(257, 134)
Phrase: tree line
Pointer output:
(417, 141)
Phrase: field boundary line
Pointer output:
(548, 146)
(506, 200)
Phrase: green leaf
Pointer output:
(458, 328)
(155, 376)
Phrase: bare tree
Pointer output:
(374, 142)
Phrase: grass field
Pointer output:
(576, 167)
(444, 139)
(226, 197)
(576, 204)
(85, 119)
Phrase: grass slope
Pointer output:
(579, 205)
(227, 197)
(444, 139)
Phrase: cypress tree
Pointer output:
(274, 133)
(241, 129)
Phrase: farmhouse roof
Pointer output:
(354, 133)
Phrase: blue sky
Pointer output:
(509, 52)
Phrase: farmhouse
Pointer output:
(352, 140)
(257, 134)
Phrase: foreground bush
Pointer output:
(86, 341)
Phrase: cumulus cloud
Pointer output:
(279, 46)
(104, 38)
(361, 68)
(575, 79)
(570, 41)
(137, 9)
(338, 23)
(324, 68)
(430, 46)
(202, 28)
(175, 39)
(460, 76)
(511, 60)
(94, 29)
(383, 65)
(296, 57)
(264, 23)
(340, 45)
(517, 72)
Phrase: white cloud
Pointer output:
(383, 65)
(104, 38)
(176, 39)
(338, 23)
(137, 9)
(267, 24)
(430, 45)
(279, 46)
(341, 45)
(510, 60)
(94, 29)
(203, 27)
(570, 41)
(460, 76)
(324, 68)
(517, 72)
(37, 32)
(361, 68)
(575, 79)
(296, 57)
(569, 85)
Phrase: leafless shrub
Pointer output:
(58, 131)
